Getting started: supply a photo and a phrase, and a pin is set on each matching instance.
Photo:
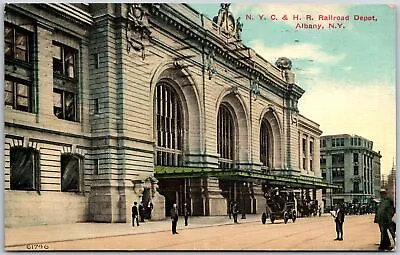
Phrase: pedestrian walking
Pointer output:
(149, 209)
(135, 214)
(186, 213)
(230, 207)
(383, 217)
(235, 211)
(174, 218)
(141, 212)
(339, 220)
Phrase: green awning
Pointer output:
(168, 172)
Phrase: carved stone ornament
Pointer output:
(210, 66)
(234, 90)
(227, 24)
(255, 87)
(137, 28)
(284, 63)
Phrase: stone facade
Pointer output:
(350, 161)
(122, 52)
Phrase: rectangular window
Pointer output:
(322, 162)
(64, 59)
(333, 142)
(338, 159)
(17, 95)
(70, 173)
(16, 43)
(304, 144)
(356, 187)
(323, 143)
(96, 166)
(341, 141)
(64, 105)
(24, 170)
(312, 147)
(355, 157)
(355, 170)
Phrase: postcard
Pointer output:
(199, 126)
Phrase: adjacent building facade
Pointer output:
(351, 162)
(107, 104)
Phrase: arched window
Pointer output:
(266, 144)
(71, 173)
(24, 172)
(169, 126)
(225, 138)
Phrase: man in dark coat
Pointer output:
(230, 209)
(235, 211)
(186, 213)
(135, 214)
(383, 217)
(174, 218)
(339, 219)
(141, 211)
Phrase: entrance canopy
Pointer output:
(167, 172)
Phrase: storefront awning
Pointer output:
(168, 172)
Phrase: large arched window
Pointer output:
(225, 138)
(169, 126)
(266, 144)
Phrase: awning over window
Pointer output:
(167, 172)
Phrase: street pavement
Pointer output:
(212, 233)
(20, 236)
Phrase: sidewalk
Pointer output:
(78, 231)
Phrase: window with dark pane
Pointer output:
(225, 138)
(24, 170)
(64, 60)
(64, 105)
(65, 82)
(266, 144)
(169, 126)
(17, 94)
(16, 43)
(70, 173)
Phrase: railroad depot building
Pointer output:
(351, 162)
(107, 104)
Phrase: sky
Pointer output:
(347, 70)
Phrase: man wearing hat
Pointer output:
(383, 217)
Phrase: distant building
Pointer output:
(390, 184)
(349, 160)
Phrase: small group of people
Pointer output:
(175, 216)
(141, 212)
(383, 217)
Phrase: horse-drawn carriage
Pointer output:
(280, 204)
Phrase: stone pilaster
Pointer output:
(217, 204)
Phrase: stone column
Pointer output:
(259, 197)
(217, 204)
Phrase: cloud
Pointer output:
(298, 51)
(368, 110)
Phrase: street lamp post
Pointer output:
(243, 205)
